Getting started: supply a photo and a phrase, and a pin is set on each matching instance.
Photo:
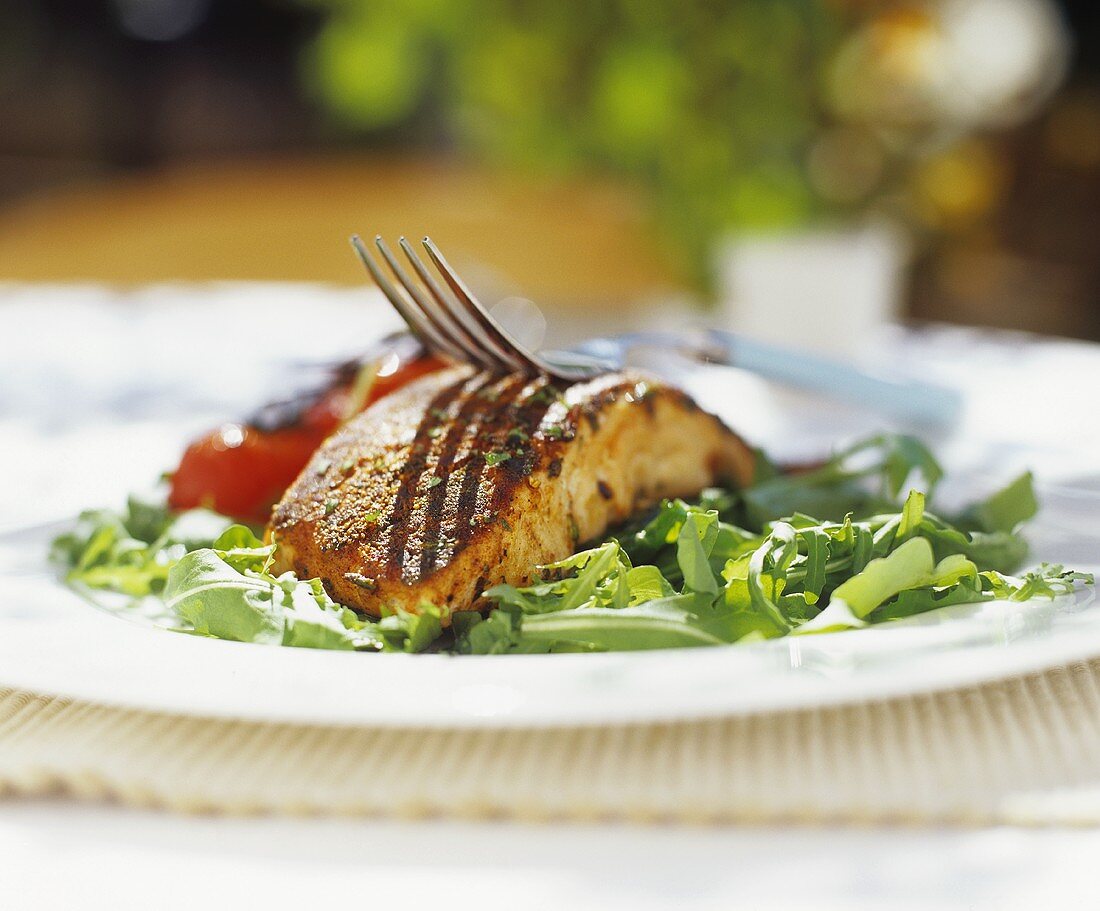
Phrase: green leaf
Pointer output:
(495, 635)
(693, 553)
(405, 631)
(313, 620)
(910, 566)
(911, 515)
(217, 600)
(1049, 580)
(767, 568)
(1000, 551)
(665, 623)
(645, 583)
(920, 600)
(242, 550)
(147, 517)
(1009, 507)
(864, 478)
(902, 456)
(816, 542)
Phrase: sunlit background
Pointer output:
(799, 167)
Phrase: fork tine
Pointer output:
(485, 321)
(465, 348)
(414, 319)
(503, 354)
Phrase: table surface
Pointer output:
(120, 859)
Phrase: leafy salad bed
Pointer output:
(834, 548)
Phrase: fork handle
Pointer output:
(911, 400)
(914, 400)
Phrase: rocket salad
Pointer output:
(854, 542)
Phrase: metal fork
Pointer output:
(451, 321)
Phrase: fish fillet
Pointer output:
(465, 479)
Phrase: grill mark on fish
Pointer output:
(411, 471)
(527, 415)
(470, 414)
(466, 505)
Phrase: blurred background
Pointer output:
(803, 168)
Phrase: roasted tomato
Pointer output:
(242, 468)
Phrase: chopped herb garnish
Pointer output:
(362, 581)
(547, 395)
(517, 434)
(435, 432)
(553, 432)
(434, 482)
(495, 458)
(330, 506)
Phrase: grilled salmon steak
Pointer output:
(465, 479)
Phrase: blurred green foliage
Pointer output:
(711, 105)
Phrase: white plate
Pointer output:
(52, 642)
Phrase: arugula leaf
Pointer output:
(912, 513)
(746, 615)
(693, 546)
(147, 517)
(645, 583)
(998, 550)
(573, 582)
(230, 595)
(909, 566)
(664, 623)
(217, 600)
(1008, 508)
(816, 542)
(864, 478)
(495, 635)
(405, 631)
(1049, 580)
(920, 600)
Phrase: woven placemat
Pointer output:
(1023, 751)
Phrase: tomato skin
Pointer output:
(241, 470)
